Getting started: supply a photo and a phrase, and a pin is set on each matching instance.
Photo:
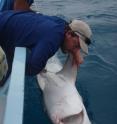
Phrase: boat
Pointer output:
(12, 93)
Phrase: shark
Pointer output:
(62, 100)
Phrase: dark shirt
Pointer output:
(41, 34)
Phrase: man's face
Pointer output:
(72, 45)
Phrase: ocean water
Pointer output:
(97, 76)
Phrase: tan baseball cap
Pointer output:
(84, 32)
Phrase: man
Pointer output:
(43, 35)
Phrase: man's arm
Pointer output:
(22, 4)
(47, 47)
(15, 4)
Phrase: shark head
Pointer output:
(67, 73)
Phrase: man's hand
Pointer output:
(77, 58)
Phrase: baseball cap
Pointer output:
(84, 32)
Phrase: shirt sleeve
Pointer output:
(45, 48)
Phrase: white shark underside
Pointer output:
(62, 100)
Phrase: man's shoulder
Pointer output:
(9, 13)
(56, 19)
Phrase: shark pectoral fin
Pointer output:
(77, 118)
(74, 119)
(41, 81)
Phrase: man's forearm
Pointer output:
(21, 5)
(29, 2)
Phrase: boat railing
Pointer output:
(15, 96)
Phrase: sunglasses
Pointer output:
(86, 39)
